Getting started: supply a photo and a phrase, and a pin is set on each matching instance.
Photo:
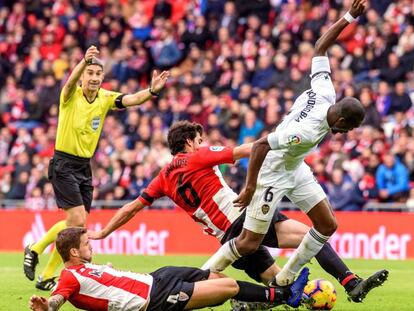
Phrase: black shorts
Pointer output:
(173, 287)
(71, 178)
(258, 262)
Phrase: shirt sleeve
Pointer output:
(321, 82)
(110, 99)
(152, 192)
(62, 102)
(286, 139)
(67, 285)
(213, 155)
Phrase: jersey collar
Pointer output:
(97, 94)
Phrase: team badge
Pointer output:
(265, 209)
(183, 296)
(96, 121)
(216, 148)
(294, 140)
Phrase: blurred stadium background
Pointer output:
(237, 67)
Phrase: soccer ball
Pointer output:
(322, 294)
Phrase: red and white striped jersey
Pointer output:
(194, 182)
(100, 287)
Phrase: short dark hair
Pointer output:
(179, 133)
(67, 239)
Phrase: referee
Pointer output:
(82, 111)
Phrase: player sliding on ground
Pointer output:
(82, 112)
(193, 181)
(277, 167)
(100, 287)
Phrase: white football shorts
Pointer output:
(299, 186)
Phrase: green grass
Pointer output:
(395, 295)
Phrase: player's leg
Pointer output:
(259, 216)
(260, 266)
(212, 292)
(179, 288)
(311, 244)
(290, 234)
(216, 291)
(308, 195)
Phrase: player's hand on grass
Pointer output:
(37, 303)
(95, 235)
(91, 53)
(158, 81)
(244, 198)
(357, 7)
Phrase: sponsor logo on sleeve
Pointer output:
(294, 140)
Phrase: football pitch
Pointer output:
(396, 294)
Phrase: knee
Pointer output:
(246, 246)
(329, 227)
(233, 288)
(332, 226)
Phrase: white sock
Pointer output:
(225, 256)
(307, 249)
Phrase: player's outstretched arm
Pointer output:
(242, 151)
(70, 85)
(122, 216)
(38, 303)
(258, 153)
(328, 38)
(157, 84)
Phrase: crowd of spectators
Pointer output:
(237, 67)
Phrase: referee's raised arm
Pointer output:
(70, 85)
(157, 84)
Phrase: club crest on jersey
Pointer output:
(265, 209)
(216, 148)
(96, 273)
(294, 140)
(96, 121)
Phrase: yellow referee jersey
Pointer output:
(80, 122)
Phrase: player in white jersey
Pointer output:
(277, 167)
(100, 287)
